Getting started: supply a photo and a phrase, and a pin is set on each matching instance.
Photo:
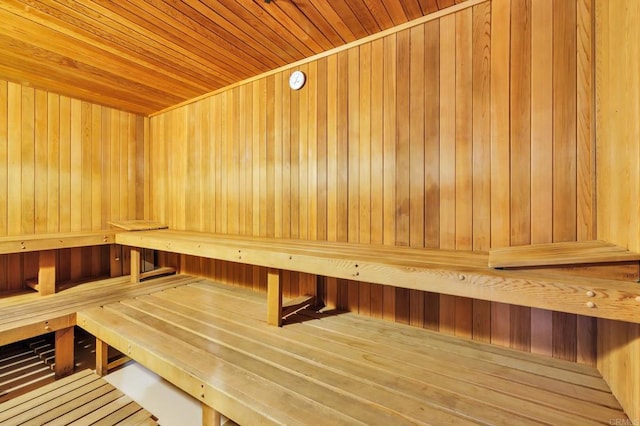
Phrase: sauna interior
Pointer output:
(484, 126)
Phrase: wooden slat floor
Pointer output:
(80, 399)
(340, 368)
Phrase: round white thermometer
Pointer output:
(296, 80)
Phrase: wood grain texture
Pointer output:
(491, 44)
(618, 191)
(65, 165)
(148, 56)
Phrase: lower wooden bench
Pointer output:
(339, 368)
(31, 315)
(80, 399)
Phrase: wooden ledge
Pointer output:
(463, 274)
(60, 240)
(568, 253)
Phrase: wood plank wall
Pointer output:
(618, 178)
(466, 132)
(65, 165)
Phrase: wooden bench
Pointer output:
(31, 315)
(338, 368)
(46, 245)
(80, 399)
(456, 273)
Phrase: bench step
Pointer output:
(80, 399)
(212, 341)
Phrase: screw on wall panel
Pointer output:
(590, 293)
(591, 305)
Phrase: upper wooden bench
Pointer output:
(46, 244)
(456, 273)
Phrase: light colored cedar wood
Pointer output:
(274, 291)
(416, 142)
(585, 142)
(332, 147)
(617, 147)
(308, 161)
(64, 349)
(210, 416)
(564, 122)
(464, 157)
(481, 97)
(353, 103)
(618, 348)
(490, 141)
(377, 143)
(432, 135)
(617, 109)
(364, 146)
(40, 163)
(4, 149)
(500, 128)
(398, 362)
(577, 252)
(448, 132)
(481, 309)
(418, 269)
(135, 265)
(402, 166)
(81, 397)
(389, 138)
(137, 225)
(464, 130)
(520, 122)
(322, 151)
(47, 272)
(541, 122)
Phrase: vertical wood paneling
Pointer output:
(444, 135)
(618, 175)
(54, 177)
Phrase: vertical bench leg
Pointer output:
(102, 358)
(115, 262)
(64, 352)
(135, 265)
(210, 417)
(274, 297)
(47, 272)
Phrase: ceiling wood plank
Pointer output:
(145, 56)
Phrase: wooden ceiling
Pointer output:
(146, 55)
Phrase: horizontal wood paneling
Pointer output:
(395, 142)
(65, 165)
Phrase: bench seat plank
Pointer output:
(60, 240)
(213, 342)
(33, 315)
(80, 399)
(455, 273)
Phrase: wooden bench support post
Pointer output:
(102, 358)
(135, 265)
(47, 272)
(210, 417)
(64, 352)
(274, 297)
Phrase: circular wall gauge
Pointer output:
(296, 80)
